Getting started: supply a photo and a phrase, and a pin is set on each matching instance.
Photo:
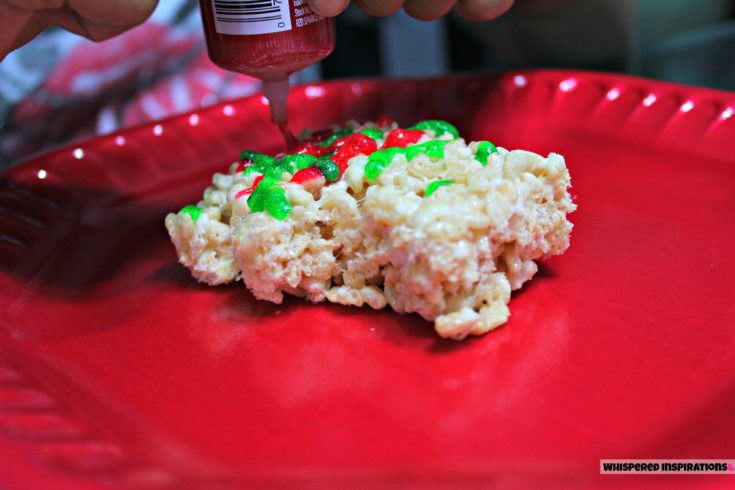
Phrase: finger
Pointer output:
(34, 5)
(328, 8)
(380, 8)
(16, 29)
(96, 14)
(482, 9)
(428, 9)
(73, 22)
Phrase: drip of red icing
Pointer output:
(402, 137)
(250, 189)
(291, 140)
(306, 174)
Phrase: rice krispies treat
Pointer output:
(446, 231)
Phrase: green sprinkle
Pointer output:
(270, 197)
(380, 160)
(484, 149)
(252, 169)
(337, 135)
(439, 127)
(193, 211)
(431, 188)
(276, 173)
(328, 168)
(373, 133)
(433, 149)
(300, 161)
(256, 201)
(289, 166)
(259, 159)
(276, 203)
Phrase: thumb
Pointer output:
(328, 8)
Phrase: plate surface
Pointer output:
(117, 369)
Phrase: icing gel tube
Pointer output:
(269, 40)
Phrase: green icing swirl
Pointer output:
(294, 163)
(328, 168)
(381, 159)
(431, 188)
(432, 148)
(439, 127)
(484, 149)
(259, 159)
(373, 133)
(193, 211)
(269, 196)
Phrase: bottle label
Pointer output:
(248, 17)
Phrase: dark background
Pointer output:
(687, 41)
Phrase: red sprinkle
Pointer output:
(384, 122)
(311, 149)
(340, 142)
(402, 137)
(358, 140)
(350, 146)
(306, 174)
(250, 189)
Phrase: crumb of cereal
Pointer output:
(374, 214)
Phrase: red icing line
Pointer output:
(250, 189)
(306, 174)
(402, 137)
(350, 146)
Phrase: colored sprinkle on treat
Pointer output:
(307, 175)
(439, 127)
(193, 211)
(433, 149)
(326, 154)
(380, 160)
(385, 122)
(269, 196)
(380, 216)
(484, 149)
(250, 189)
(259, 159)
(431, 188)
(297, 162)
(331, 170)
(373, 133)
(402, 137)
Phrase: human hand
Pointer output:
(420, 9)
(22, 20)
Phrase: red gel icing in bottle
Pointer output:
(268, 40)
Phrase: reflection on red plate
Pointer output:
(117, 369)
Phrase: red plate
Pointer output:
(118, 369)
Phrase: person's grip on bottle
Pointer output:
(420, 9)
(22, 20)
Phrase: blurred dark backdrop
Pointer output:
(688, 41)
